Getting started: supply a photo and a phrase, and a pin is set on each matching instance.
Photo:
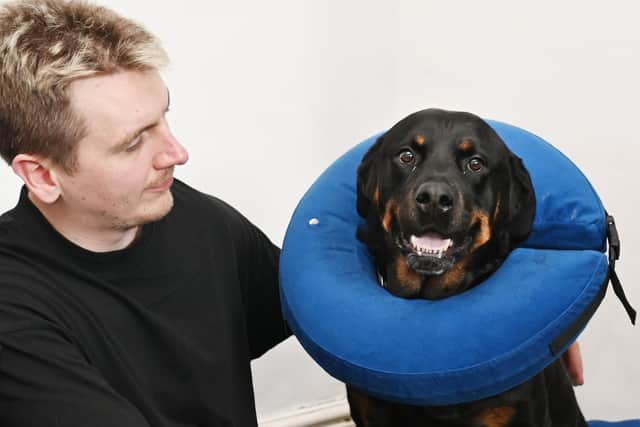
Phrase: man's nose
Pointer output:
(172, 153)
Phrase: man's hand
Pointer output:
(572, 360)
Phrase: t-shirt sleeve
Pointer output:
(46, 381)
(258, 261)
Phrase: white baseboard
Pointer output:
(327, 414)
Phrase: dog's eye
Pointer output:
(407, 157)
(475, 164)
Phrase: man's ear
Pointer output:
(38, 175)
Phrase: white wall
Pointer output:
(266, 94)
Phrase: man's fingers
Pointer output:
(572, 360)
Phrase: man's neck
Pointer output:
(83, 233)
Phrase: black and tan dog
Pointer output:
(445, 201)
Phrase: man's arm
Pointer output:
(258, 260)
(46, 381)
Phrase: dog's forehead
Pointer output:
(439, 129)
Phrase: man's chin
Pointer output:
(152, 212)
(160, 209)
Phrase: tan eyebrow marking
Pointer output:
(466, 145)
(420, 139)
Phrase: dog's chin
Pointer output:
(429, 265)
(433, 262)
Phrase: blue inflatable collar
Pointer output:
(463, 348)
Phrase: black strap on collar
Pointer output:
(614, 255)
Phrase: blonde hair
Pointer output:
(44, 46)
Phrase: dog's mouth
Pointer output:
(432, 253)
(429, 244)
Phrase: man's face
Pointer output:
(125, 163)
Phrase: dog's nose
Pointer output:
(436, 196)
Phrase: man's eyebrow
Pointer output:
(127, 139)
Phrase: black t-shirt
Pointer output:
(159, 334)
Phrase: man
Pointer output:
(127, 299)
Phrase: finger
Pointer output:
(572, 360)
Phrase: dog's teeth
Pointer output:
(429, 245)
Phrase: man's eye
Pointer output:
(475, 164)
(135, 144)
(407, 157)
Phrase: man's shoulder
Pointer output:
(8, 220)
(18, 224)
(193, 205)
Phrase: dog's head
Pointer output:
(445, 201)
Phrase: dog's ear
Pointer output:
(367, 182)
(522, 201)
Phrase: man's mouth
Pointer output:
(162, 184)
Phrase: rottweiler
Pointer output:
(445, 201)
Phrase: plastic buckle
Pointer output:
(614, 240)
(614, 254)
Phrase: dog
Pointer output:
(444, 202)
